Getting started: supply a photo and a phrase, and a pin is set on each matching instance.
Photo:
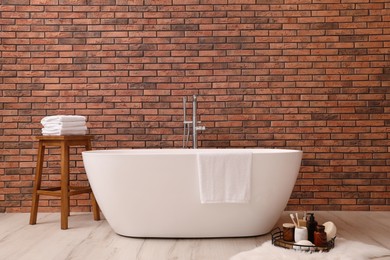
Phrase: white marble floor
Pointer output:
(87, 239)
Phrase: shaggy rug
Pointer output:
(343, 250)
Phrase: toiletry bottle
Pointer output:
(320, 236)
(311, 225)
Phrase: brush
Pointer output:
(296, 215)
(292, 218)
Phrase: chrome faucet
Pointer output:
(194, 123)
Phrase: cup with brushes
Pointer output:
(305, 234)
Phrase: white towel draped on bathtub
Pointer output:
(224, 176)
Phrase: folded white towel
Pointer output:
(74, 131)
(62, 118)
(64, 125)
(75, 128)
(225, 176)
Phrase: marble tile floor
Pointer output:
(87, 239)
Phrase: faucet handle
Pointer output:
(200, 127)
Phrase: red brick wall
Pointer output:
(303, 74)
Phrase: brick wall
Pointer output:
(303, 74)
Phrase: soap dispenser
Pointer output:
(311, 225)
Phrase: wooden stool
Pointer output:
(65, 191)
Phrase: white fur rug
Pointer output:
(343, 250)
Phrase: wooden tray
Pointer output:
(277, 240)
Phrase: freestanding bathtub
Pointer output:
(155, 192)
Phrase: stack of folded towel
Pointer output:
(64, 125)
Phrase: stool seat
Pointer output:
(65, 190)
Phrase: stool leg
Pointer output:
(64, 185)
(95, 205)
(37, 184)
(95, 208)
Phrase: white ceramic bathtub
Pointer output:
(155, 192)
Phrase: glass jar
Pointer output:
(320, 238)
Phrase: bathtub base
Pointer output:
(237, 225)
